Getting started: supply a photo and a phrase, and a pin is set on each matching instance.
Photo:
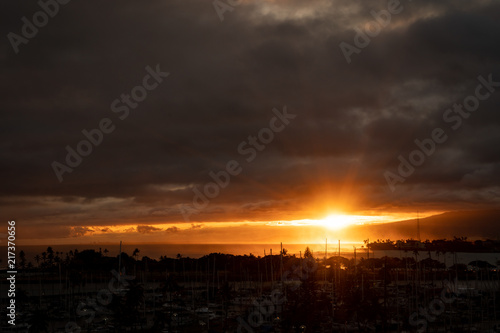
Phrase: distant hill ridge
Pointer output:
(471, 224)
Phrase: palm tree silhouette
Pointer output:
(135, 253)
(22, 261)
(50, 255)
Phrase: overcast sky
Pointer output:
(352, 120)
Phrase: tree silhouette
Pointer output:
(37, 259)
(50, 256)
(57, 258)
(126, 308)
(305, 306)
(44, 258)
(22, 259)
(135, 294)
(135, 253)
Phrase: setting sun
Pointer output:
(339, 221)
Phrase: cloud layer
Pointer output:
(353, 120)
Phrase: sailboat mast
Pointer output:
(281, 263)
(120, 260)
(418, 227)
(326, 251)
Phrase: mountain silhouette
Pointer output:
(471, 224)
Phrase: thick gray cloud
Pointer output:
(353, 120)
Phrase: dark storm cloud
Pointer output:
(225, 78)
(173, 229)
(146, 229)
(80, 231)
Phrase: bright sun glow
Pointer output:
(340, 221)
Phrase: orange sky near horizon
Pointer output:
(333, 226)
